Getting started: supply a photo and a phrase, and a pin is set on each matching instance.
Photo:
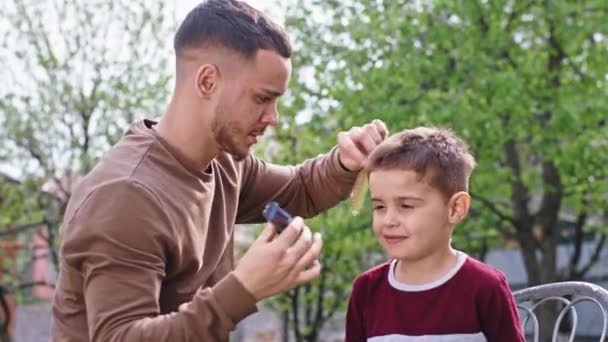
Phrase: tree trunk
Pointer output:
(285, 326)
(547, 313)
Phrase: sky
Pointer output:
(178, 10)
(181, 7)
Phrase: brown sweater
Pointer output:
(147, 244)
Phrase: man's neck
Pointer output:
(427, 269)
(189, 135)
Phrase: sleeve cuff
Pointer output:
(232, 296)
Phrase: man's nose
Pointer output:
(271, 115)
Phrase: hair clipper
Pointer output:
(277, 216)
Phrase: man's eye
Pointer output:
(263, 99)
(378, 207)
(405, 206)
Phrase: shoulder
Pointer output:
(120, 207)
(485, 278)
(118, 195)
(372, 277)
(227, 166)
(483, 272)
(121, 218)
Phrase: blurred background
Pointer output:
(524, 82)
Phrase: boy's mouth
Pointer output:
(394, 239)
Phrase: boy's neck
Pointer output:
(427, 269)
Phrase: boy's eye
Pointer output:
(378, 207)
(406, 206)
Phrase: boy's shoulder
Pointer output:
(482, 273)
(374, 275)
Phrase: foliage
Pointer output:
(524, 82)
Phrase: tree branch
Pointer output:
(520, 195)
(336, 304)
(494, 209)
(481, 21)
(581, 220)
(320, 315)
(28, 285)
(552, 198)
(50, 240)
(65, 192)
(517, 12)
(295, 308)
(20, 228)
(6, 311)
(597, 251)
(307, 305)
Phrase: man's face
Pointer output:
(248, 102)
(410, 217)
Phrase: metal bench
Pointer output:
(569, 294)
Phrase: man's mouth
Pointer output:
(256, 133)
(253, 136)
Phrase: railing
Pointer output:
(569, 294)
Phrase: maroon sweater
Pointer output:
(472, 302)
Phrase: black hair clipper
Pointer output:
(277, 216)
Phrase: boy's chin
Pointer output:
(404, 256)
(399, 255)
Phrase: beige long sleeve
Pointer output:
(120, 248)
(304, 190)
(147, 243)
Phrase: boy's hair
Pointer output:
(435, 154)
(231, 24)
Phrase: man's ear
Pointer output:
(458, 206)
(206, 80)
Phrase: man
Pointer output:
(147, 237)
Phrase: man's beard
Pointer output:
(226, 136)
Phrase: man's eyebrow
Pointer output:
(272, 93)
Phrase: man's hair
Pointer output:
(231, 24)
(436, 155)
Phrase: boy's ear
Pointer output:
(458, 206)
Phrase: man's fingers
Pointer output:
(348, 148)
(291, 233)
(364, 140)
(373, 131)
(301, 247)
(312, 253)
(382, 129)
(309, 274)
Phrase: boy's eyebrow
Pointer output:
(410, 198)
(401, 198)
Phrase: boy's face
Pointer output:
(411, 219)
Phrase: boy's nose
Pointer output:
(390, 219)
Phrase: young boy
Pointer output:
(428, 292)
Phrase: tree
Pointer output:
(523, 82)
(77, 79)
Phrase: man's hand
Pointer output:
(356, 144)
(271, 266)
